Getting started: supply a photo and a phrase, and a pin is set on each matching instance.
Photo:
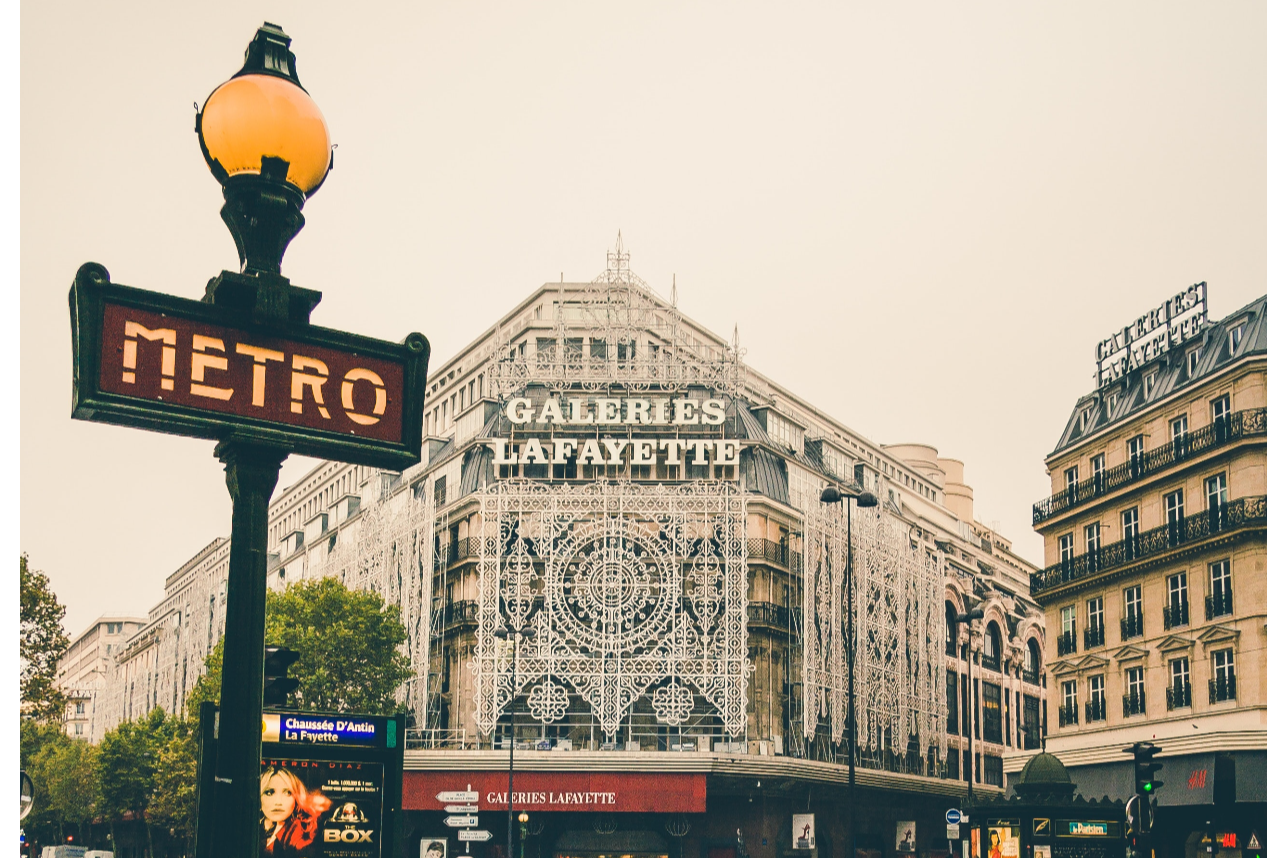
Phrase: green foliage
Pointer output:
(208, 686)
(349, 641)
(42, 642)
(40, 743)
(70, 771)
(128, 757)
(173, 798)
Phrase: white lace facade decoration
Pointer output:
(626, 588)
(897, 599)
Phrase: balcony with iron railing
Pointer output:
(1066, 643)
(1095, 710)
(991, 662)
(1178, 696)
(462, 549)
(1233, 515)
(1033, 677)
(1176, 614)
(1222, 688)
(1130, 626)
(1134, 704)
(1094, 636)
(1217, 605)
(458, 613)
(771, 615)
(1242, 424)
(1068, 715)
(777, 553)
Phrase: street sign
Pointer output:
(461, 821)
(953, 816)
(464, 796)
(953, 832)
(27, 793)
(462, 808)
(183, 367)
(1254, 843)
(477, 834)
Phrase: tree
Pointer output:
(64, 773)
(42, 643)
(173, 798)
(349, 641)
(128, 757)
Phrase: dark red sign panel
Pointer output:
(170, 359)
(622, 792)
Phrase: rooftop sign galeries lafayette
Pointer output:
(188, 367)
(1153, 333)
(575, 414)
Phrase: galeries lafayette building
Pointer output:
(637, 511)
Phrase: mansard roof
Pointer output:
(1110, 404)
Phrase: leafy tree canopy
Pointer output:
(127, 762)
(43, 641)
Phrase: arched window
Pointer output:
(1033, 660)
(991, 647)
(951, 629)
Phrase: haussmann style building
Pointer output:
(1155, 580)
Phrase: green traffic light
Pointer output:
(1147, 787)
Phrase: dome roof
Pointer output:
(1045, 768)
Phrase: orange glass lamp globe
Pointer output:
(258, 115)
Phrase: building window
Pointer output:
(991, 713)
(1219, 601)
(991, 647)
(1178, 695)
(1094, 633)
(1067, 639)
(992, 770)
(1175, 614)
(1223, 685)
(953, 763)
(1135, 456)
(1215, 500)
(79, 729)
(441, 490)
(1135, 698)
(446, 663)
(1234, 338)
(1131, 622)
(1092, 544)
(1099, 465)
(1096, 708)
(1031, 667)
(1173, 517)
(1129, 529)
(1030, 722)
(1066, 548)
(1070, 478)
(1148, 384)
(1178, 435)
(953, 703)
(1193, 361)
(79, 707)
(951, 630)
(1221, 418)
(1068, 713)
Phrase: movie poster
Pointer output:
(906, 837)
(320, 809)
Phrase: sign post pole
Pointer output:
(252, 471)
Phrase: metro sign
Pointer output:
(186, 367)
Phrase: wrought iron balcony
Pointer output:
(769, 614)
(1178, 696)
(1066, 643)
(1095, 710)
(456, 613)
(1222, 688)
(1033, 677)
(1243, 512)
(463, 549)
(1217, 605)
(991, 662)
(1242, 424)
(1068, 715)
(1134, 704)
(1130, 627)
(1094, 636)
(1176, 615)
(776, 553)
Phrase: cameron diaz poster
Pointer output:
(320, 809)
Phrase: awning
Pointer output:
(1189, 779)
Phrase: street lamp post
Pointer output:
(863, 498)
(969, 616)
(524, 822)
(514, 635)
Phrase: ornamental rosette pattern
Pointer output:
(626, 588)
(548, 701)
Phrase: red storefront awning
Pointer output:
(623, 792)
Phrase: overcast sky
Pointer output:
(921, 216)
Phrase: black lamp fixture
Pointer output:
(863, 497)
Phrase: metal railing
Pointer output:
(456, 613)
(1176, 615)
(1033, 677)
(1095, 710)
(1242, 424)
(991, 662)
(1217, 605)
(777, 553)
(1066, 643)
(1243, 512)
(463, 549)
(1094, 636)
(1223, 688)
(1134, 704)
(769, 614)
(1068, 715)
(1178, 696)
(1131, 627)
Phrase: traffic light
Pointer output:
(277, 685)
(1144, 769)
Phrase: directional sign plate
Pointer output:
(462, 808)
(461, 821)
(460, 796)
(477, 834)
(953, 816)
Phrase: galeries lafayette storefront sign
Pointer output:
(621, 792)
